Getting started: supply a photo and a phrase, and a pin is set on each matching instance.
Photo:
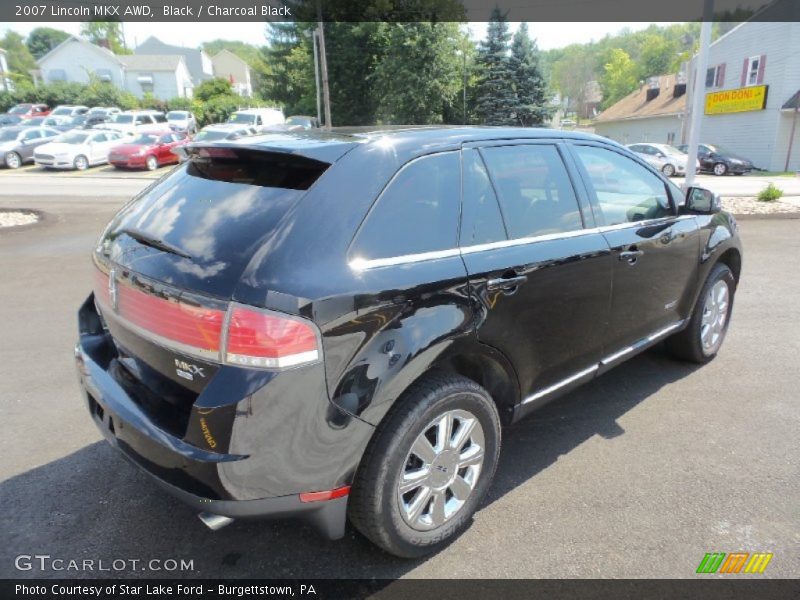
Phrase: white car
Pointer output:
(260, 118)
(77, 149)
(131, 121)
(182, 121)
(68, 110)
(667, 159)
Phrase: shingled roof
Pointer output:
(636, 105)
(150, 62)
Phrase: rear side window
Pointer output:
(534, 189)
(481, 221)
(624, 190)
(416, 213)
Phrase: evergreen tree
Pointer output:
(496, 99)
(529, 83)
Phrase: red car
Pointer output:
(148, 150)
(26, 110)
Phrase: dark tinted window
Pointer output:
(481, 221)
(625, 191)
(536, 195)
(417, 212)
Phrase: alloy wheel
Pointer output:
(81, 163)
(720, 169)
(13, 160)
(668, 170)
(152, 163)
(715, 317)
(441, 470)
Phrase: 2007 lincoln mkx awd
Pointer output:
(334, 325)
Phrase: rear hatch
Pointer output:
(168, 264)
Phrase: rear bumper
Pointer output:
(225, 480)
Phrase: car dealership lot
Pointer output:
(638, 474)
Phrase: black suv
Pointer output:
(333, 325)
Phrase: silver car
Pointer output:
(668, 159)
(18, 143)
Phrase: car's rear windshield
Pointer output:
(62, 111)
(177, 115)
(19, 110)
(241, 118)
(123, 119)
(73, 138)
(218, 210)
(145, 138)
(210, 136)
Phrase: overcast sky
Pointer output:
(548, 35)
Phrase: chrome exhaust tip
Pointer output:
(214, 522)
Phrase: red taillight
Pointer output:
(328, 495)
(255, 338)
(266, 339)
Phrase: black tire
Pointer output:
(374, 505)
(687, 344)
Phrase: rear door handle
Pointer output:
(631, 256)
(506, 283)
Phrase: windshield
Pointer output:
(177, 115)
(241, 118)
(19, 110)
(720, 149)
(73, 138)
(301, 121)
(210, 136)
(79, 120)
(8, 135)
(35, 121)
(123, 119)
(144, 138)
(62, 111)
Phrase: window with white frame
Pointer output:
(753, 66)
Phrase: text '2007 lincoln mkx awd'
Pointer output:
(335, 325)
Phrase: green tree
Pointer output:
(658, 56)
(99, 32)
(496, 100)
(420, 75)
(529, 83)
(20, 60)
(572, 74)
(103, 93)
(619, 77)
(211, 88)
(43, 39)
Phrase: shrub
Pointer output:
(770, 193)
(180, 104)
(100, 93)
(53, 94)
(216, 109)
(211, 88)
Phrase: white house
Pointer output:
(163, 76)
(653, 113)
(229, 66)
(75, 59)
(751, 91)
(197, 62)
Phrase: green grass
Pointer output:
(772, 174)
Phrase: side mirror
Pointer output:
(702, 201)
(661, 155)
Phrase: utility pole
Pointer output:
(323, 63)
(698, 92)
(794, 127)
(316, 76)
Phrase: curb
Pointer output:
(767, 217)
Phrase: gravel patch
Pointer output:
(745, 205)
(15, 218)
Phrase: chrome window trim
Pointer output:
(363, 264)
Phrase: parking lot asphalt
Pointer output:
(638, 474)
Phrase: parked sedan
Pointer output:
(720, 161)
(148, 150)
(667, 159)
(68, 110)
(77, 150)
(7, 120)
(17, 144)
(182, 120)
(26, 110)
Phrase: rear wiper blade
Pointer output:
(146, 240)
